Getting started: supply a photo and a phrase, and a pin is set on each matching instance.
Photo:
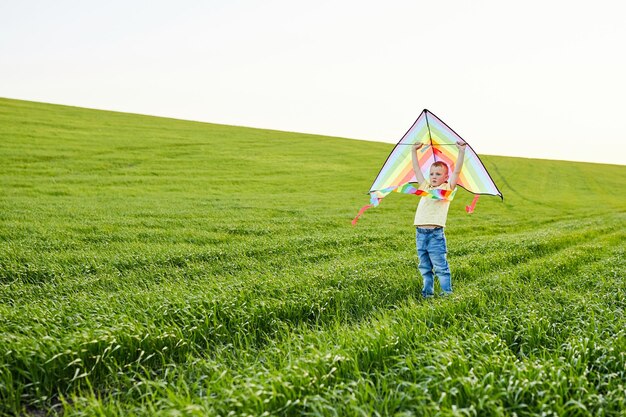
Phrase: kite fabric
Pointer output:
(440, 141)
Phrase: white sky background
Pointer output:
(538, 78)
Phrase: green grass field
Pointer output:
(152, 266)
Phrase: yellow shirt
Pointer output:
(431, 211)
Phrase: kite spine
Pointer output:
(430, 136)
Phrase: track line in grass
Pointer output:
(430, 316)
(402, 351)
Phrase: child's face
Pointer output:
(438, 175)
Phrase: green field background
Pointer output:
(153, 266)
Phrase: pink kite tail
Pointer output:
(356, 219)
(470, 208)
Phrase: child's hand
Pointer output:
(461, 144)
(417, 146)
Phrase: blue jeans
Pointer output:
(431, 250)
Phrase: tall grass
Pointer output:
(152, 266)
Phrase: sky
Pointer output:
(538, 79)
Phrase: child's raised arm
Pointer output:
(459, 164)
(416, 166)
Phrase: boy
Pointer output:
(430, 220)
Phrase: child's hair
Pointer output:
(441, 164)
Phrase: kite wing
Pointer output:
(397, 172)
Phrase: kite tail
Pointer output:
(356, 219)
(470, 208)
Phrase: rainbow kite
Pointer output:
(397, 172)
